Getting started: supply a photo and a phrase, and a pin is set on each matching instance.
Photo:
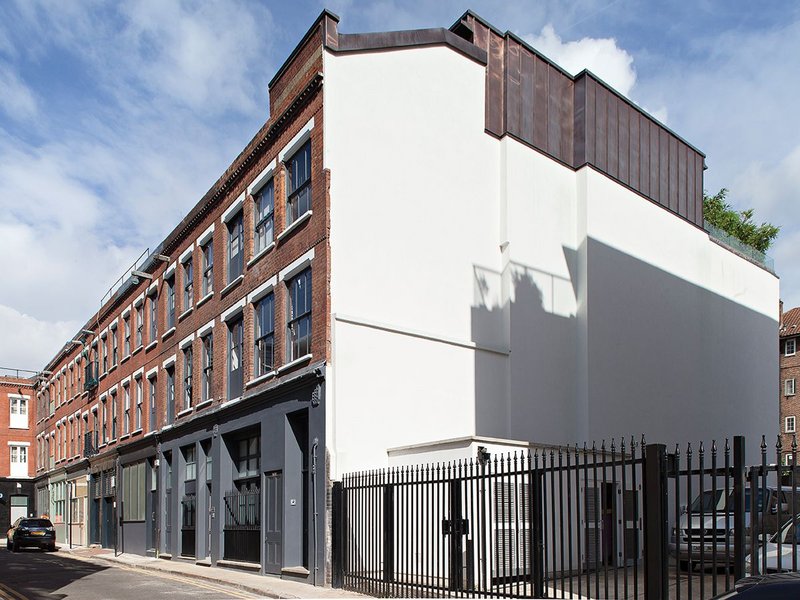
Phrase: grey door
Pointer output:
(273, 524)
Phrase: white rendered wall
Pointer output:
(414, 248)
(480, 288)
(680, 332)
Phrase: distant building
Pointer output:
(17, 459)
(789, 335)
(438, 239)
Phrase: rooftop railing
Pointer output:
(741, 248)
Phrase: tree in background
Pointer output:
(717, 212)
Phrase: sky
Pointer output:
(116, 117)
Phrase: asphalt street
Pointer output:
(36, 575)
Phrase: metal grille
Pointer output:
(243, 524)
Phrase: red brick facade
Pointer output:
(296, 100)
(20, 392)
(789, 371)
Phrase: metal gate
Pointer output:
(242, 533)
(618, 521)
(519, 525)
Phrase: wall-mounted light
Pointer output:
(483, 455)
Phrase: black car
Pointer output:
(777, 586)
(31, 532)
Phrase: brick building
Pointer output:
(790, 376)
(17, 461)
(427, 245)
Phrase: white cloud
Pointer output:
(26, 339)
(602, 56)
(174, 92)
(736, 103)
(16, 100)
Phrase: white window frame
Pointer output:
(793, 342)
(786, 423)
(17, 404)
(789, 387)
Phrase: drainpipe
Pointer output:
(314, 501)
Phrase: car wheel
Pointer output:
(51, 548)
(8, 545)
(684, 564)
(14, 546)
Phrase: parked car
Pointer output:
(706, 527)
(31, 532)
(787, 536)
(764, 587)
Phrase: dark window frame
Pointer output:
(264, 217)
(188, 284)
(298, 183)
(235, 240)
(264, 335)
(170, 301)
(208, 367)
(188, 370)
(299, 315)
(208, 267)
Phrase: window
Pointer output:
(788, 387)
(264, 216)
(139, 325)
(208, 368)
(298, 201)
(790, 347)
(154, 317)
(789, 426)
(208, 267)
(235, 247)
(787, 459)
(126, 417)
(127, 341)
(114, 347)
(113, 416)
(138, 422)
(170, 303)
(190, 454)
(104, 348)
(248, 457)
(188, 284)
(299, 316)
(170, 395)
(187, 378)
(95, 430)
(19, 412)
(133, 492)
(19, 461)
(105, 421)
(235, 342)
(264, 335)
(152, 402)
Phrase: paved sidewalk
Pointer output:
(268, 587)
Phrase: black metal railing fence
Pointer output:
(622, 520)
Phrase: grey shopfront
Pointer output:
(234, 486)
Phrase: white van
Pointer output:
(692, 539)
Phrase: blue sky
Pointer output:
(115, 118)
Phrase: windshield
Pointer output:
(709, 501)
(35, 523)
